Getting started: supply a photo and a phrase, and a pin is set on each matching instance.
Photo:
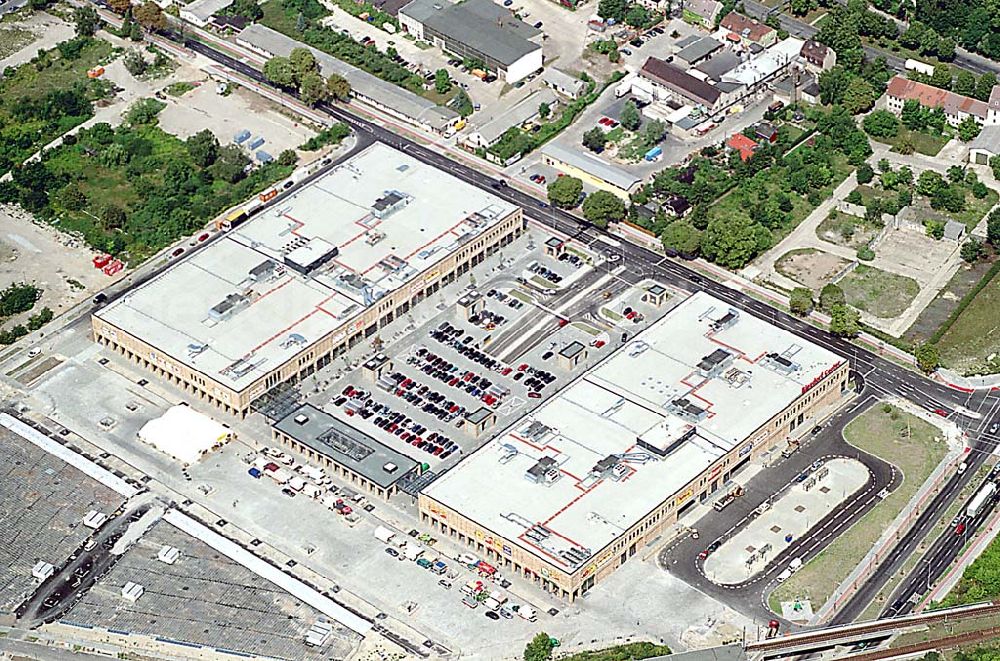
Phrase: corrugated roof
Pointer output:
(521, 112)
(561, 79)
(205, 9)
(698, 49)
(421, 110)
(487, 27)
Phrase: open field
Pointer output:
(877, 292)
(845, 230)
(915, 456)
(972, 343)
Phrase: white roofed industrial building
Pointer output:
(573, 490)
(315, 271)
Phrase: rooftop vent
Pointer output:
(390, 467)
(543, 472)
(390, 202)
(780, 363)
(688, 410)
(727, 320)
(713, 364)
(301, 419)
(228, 306)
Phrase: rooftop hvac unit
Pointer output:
(132, 591)
(168, 554)
(42, 570)
(95, 519)
(544, 471)
(713, 364)
(228, 306)
(318, 634)
(727, 320)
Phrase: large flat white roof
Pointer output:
(663, 408)
(238, 308)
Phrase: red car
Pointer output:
(177, 252)
(959, 529)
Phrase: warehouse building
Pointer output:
(574, 490)
(316, 272)
(477, 30)
(591, 170)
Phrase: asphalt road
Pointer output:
(681, 558)
(797, 28)
(881, 375)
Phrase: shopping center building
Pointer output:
(308, 276)
(580, 486)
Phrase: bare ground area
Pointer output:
(60, 265)
(810, 267)
(913, 249)
(225, 116)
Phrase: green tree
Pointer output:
(965, 83)
(248, 9)
(985, 86)
(300, 23)
(602, 207)
(230, 165)
(731, 241)
(143, 112)
(595, 139)
(934, 229)
(800, 301)
(288, 158)
(927, 357)
(913, 115)
(993, 228)
(683, 237)
(540, 647)
(338, 87)
(134, 62)
(462, 104)
(544, 110)
(17, 298)
(832, 84)
(865, 174)
(830, 296)
(968, 129)
(613, 9)
(859, 96)
(844, 321)
(995, 165)
(312, 88)
(442, 81)
(972, 250)
(564, 192)
(86, 21)
(881, 124)
(630, 118)
(112, 217)
(802, 7)
(303, 62)
(941, 77)
(637, 16)
(203, 148)
(279, 71)
(72, 198)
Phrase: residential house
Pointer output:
(749, 30)
(702, 12)
(985, 146)
(817, 57)
(741, 143)
(563, 83)
(956, 107)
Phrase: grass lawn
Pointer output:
(884, 435)
(923, 143)
(13, 40)
(877, 292)
(276, 18)
(975, 209)
(180, 88)
(975, 336)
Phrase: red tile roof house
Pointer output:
(749, 30)
(741, 143)
(956, 107)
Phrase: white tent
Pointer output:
(184, 434)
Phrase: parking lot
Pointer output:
(474, 358)
(43, 501)
(205, 599)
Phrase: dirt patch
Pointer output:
(810, 267)
(923, 256)
(58, 264)
(879, 293)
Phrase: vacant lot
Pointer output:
(845, 230)
(923, 143)
(971, 344)
(13, 40)
(877, 292)
(810, 267)
(911, 444)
